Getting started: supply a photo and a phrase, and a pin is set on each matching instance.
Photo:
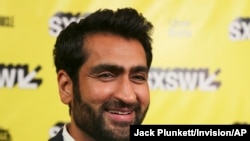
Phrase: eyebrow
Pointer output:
(117, 69)
(139, 69)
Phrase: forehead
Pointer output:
(113, 49)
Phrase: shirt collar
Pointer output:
(66, 135)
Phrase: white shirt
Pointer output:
(66, 135)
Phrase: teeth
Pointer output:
(119, 112)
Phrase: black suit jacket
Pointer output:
(57, 137)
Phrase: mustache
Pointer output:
(120, 104)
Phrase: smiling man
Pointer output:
(102, 65)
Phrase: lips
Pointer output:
(120, 112)
(121, 115)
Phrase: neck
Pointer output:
(77, 133)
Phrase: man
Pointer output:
(102, 64)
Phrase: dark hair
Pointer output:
(69, 53)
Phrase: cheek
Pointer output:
(96, 94)
(143, 95)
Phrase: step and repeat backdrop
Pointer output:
(200, 72)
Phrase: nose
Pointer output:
(125, 91)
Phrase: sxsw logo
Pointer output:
(5, 135)
(239, 29)
(61, 20)
(18, 75)
(7, 21)
(183, 79)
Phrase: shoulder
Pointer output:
(57, 137)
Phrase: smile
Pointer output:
(120, 112)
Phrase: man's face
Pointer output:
(113, 87)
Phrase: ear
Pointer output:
(65, 86)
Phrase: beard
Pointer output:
(93, 122)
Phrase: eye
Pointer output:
(139, 78)
(106, 76)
